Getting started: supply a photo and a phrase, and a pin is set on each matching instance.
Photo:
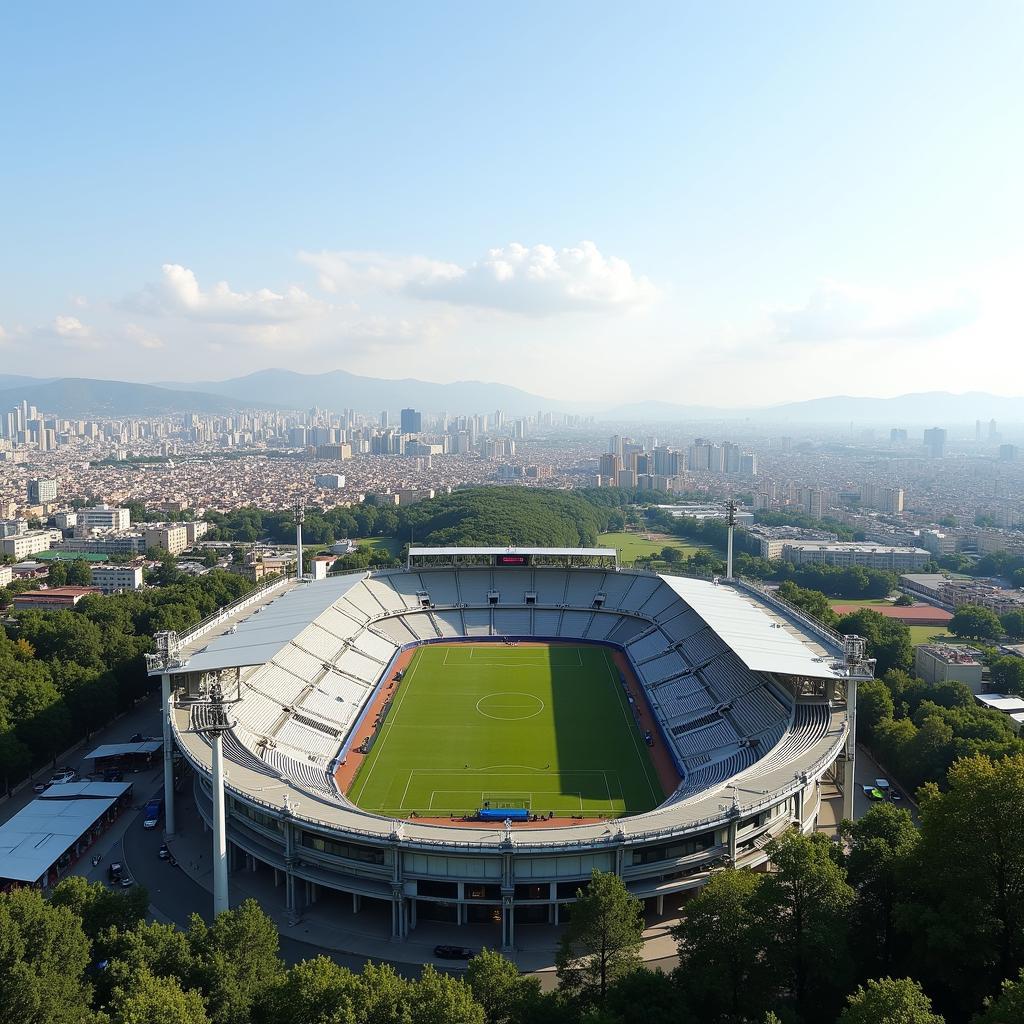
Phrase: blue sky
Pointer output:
(722, 203)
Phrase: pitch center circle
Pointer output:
(510, 706)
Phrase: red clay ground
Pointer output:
(669, 778)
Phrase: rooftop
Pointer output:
(39, 834)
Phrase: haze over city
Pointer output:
(719, 205)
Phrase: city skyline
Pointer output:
(745, 203)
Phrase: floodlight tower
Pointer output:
(214, 728)
(731, 519)
(300, 515)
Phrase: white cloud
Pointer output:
(838, 311)
(178, 293)
(534, 281)
(68, 332)
(142, 337)
(70, 327)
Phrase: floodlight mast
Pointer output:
(731, 519)
(300, 515)
(214, 728)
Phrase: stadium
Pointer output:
(464, 740)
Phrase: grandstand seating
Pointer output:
(720, 719)
(441, 586)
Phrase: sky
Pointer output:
(713, 204)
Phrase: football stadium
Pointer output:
(464, 740)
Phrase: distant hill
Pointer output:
(79, 397)
(933, 408)
(335, 390)
(338, 389)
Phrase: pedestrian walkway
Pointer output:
(330, 923)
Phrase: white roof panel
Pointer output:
(259, 637)
(119, 749)
(757, 635)
(33, 840)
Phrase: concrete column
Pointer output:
(508, 924)
(733, 829)
(412, 912)
(850, 763)
(165, 713)
(460, 907)
(220, 840)
(558, 908)
(357, 903)
(660, 904)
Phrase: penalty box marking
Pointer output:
(532, 798)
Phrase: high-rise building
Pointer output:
(41, 492)
(411, 421)
(935, 442)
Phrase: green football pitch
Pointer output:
(545, 728)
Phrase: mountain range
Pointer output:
(338, 389)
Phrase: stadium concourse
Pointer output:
(749, 701)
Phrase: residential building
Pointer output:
(331, 481)
(872, 556)
(411, 421)
(116, 579)
(169, 537)
(935, 442)
(102, 517)
(6, 575)
(22, 545)
(52, 599)
(41, 492)
(939, 663)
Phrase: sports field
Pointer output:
(548, 728)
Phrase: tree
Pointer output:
(888, 640)
(316, 991)
(874, 706)
(903, 601)
(99, 908)
(804, 905)
(236, 961)
(971, 620)
(965, 904)
(1008, 674)
(43, 957)
(57, 574)
(890, 1001)
(603, 938)
(1013, 623)
(506, 996)
(880, 845)
(720, 941)
(814, 602)
(1007, 1007)
(79, 573)
(436, 998)
(147, 998)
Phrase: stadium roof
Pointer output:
(260, 636)
(450, 552)
(759, 638)
(39, 834)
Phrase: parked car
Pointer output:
(883, 785)
(896, 795)
(453, 953)
(126, 881)
(873, 793)
(114, 871)
(163, 853)
(151, 815)
(60, 776)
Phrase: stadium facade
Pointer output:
(755, 701)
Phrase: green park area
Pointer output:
(632, 546)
